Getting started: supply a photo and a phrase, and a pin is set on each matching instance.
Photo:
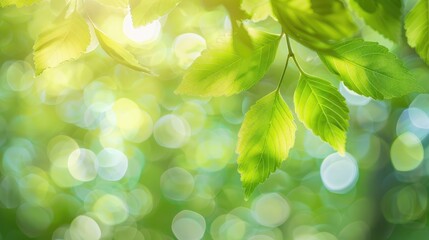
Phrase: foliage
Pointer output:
(332, 31)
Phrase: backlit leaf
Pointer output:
(265, 137)
(146, 11)
(314, 23)
(221, 70)
(371, 70)
(417, 29)
(119, 53)
(66, 40)
(384, 16)
(323, 110)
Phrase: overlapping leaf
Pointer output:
(18, 3)
(316, 24)
(114, 3)
(258, 9)
(323, 110)
(417, 29)
(66, 40)
(384, 16)
(266, 135)
(371, 70)
(221, 70)
(146, 11)
(119, 53)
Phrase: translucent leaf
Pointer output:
(146, 11)
(417, 29)
(316, 24)
(259, 10)
(119, 53)
(221, 70)
(18, 3)
(265, 138)
(371, 70)
(323, 110)
(66, 40)
(384, 16)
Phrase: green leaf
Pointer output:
(314, 23)
(17, 3)
(323, 110)
(259, 10)
(371, 70)
(384, 16)
(146, 11)
(222, 71)
(66, 40)
(417, 29)
(265, 138)
(119, 53)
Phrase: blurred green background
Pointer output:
(94, 150)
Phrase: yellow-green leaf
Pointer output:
(119, 53)
(371, 70)
(323, 110)
(265, 138)
(316, 24)
(18, 3)
(384, 16)
(146, 11)
(259, 10)
(417, 29)
(65, 40)
(222, 71)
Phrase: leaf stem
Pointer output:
(292, 55)
(283, 74)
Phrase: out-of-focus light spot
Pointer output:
(339, 173)
(127, 232)
(187, 47)
(315, 147)
(9, 192)
(134, 123)
(261, 237)
(143, 34)
(228, 227)
(188, 225)
(82, 165)
(112, 164)
(271, 210)
(406, 152)
(59, 149)
(373, 116)
(16, 159)
(353, 98)
(172, 131)
(420, 118)
(140, 202)
(406, 123)
(33, 219)
(177, 184)
(355, 230)
(194, 114)
(110, 209)
(215, 152)
(84, 228)
(99, 96)
(403, 204)
(20, 76)
(35, 187)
